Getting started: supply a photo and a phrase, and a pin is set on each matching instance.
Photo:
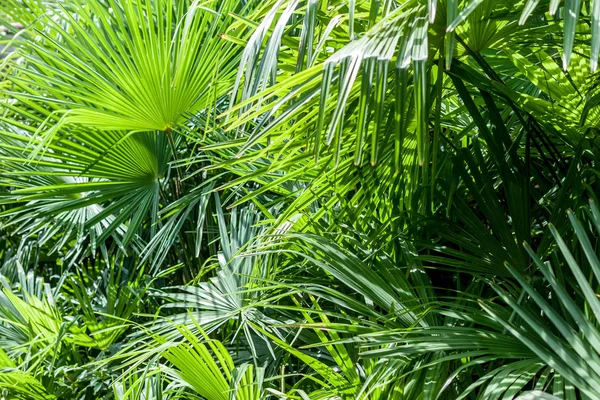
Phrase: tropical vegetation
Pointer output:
(299, 199)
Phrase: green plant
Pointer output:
(301, 199)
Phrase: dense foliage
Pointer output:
(299, 199)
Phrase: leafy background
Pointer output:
(343, 199)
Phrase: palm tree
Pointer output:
(311, 199)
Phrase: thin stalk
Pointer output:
(169, 133)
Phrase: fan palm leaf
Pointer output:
(127, 66)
